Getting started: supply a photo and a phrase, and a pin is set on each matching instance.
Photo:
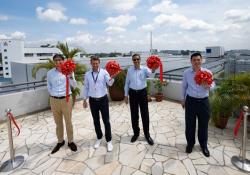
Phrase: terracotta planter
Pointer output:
(116, 94)
(221, 122)
(159, 97)
(149, 98)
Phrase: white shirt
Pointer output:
(95, 83)
(56, 83)
(136, 78)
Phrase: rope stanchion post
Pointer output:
(240, 161)
(13, 162)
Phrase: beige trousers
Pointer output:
(60, 108)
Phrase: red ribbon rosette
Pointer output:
(12, 119)
(112, 67)
(154, 62)
(203, 77)
(67, 68)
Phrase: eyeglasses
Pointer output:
(136, 59)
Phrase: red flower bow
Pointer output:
(154, 62)
(113, 67)
(67, 68)
(203, 77)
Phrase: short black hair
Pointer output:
(136, 54)
(94, 58)
(58, 56)
(195, 55)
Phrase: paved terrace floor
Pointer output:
(167, 156)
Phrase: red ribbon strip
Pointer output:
(12, 119)
(67, 88)
(237, 124)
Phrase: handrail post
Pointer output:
(13, 162)
(240, 161)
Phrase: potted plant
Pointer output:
(116, 91)
(159, 89)
(149, 90)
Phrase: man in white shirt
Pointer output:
(56, 83)
(135, 88)
(95, 88)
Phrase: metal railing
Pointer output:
(21, 86)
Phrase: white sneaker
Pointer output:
(109, 146)
(97, 143)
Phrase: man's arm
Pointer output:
(184, 88)
(72, 80)
(49, 84)
(126, 88)
(108, 80)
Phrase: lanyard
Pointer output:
(95, 78)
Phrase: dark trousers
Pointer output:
(199, 108)
(102, 105)
(138, 98)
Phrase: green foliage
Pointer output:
(120, 80)
(148, 87)
(66, 52)
(159, 85)
(48, 65)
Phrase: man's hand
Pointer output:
(113, 76)
(85, 104)
(183, 104)
(205, 86)
(153, 70)
(126, 99)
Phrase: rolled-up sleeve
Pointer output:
(85, 87)
(126, 87)
(184, 86)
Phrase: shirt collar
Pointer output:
(137, 69)
(95, 71)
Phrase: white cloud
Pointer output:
(166, 6)
(56, 6)
(18, 35)
(80, 39)
(119, 5)
(238, 15)
(78, 21)
(53, 13)
(2, 36)
(147, 27)
(119, 23)
(3, 18)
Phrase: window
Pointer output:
(6, 62)
(44, 54)
(6, 68)
(28, 54)
(209, 50)
(6, 73)
(5, 50)
(5, 57)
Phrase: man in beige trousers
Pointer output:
(56, 83)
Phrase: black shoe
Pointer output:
(189, 149)
(150, 140)
(57, 147)
(72, 146)
(206, 152)
(134, 138)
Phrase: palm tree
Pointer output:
(68, 54)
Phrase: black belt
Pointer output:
(98, 99)
(137, 91)
(197, 99)
(62, 97)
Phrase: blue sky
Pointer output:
(124, 25)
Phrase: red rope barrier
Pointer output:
(237, 124)
(12, 119)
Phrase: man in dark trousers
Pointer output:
(196, 104)
(95, 88)
(135, 88)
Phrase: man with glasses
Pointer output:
(56, 83)
(135, 88)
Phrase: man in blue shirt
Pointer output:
(196, 104)
(56, 83)
(135, 88)
(95, 88)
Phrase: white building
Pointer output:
(215, 52)
(12, 50)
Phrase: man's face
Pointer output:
(95, 64)
(58, 61)
(196, 61)
(136, 60)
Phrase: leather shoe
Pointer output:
(57, 147)
(72, 146)
(189, 149)
(134, 138)
(206, 152)
(150, 140)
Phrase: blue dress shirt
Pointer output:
(189, 86)
(56, 83)
(95, 83)
(136, 78)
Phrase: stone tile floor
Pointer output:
(167, 156)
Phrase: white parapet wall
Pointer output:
(24, 102)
